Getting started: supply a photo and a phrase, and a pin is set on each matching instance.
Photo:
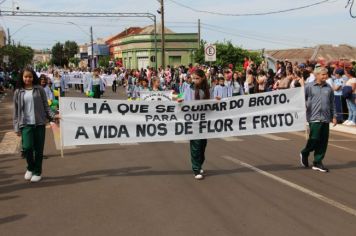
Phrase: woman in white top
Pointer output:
(351, 99)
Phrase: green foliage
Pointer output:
(19, 56)
(227, 54)
(41, 65)
(70, 49)
(74, 60)
(62, 53)
(58, 55)
(104, 61)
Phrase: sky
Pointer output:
(328, 23)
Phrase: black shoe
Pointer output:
(320, 167)
(304, 160)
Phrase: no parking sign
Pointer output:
(210, 52)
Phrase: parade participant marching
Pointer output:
(186, 84)
(43, 81)
(222, 91)
(96, 84)
(30, 112)
(236, 84)
(58, 84)
(156, 84)
(320, 112)
(114, 81)
(199, 91)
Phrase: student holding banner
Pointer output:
(320, 112)
(30, 112)
(198, 91)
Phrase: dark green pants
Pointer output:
(96, 91)
(318, 141)
(197, 153)
(33, 139)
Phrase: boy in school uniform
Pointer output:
(221, 91)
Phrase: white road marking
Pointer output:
(232, 139)
(181, 141)
(318, 196)
(129, 144)
(298, 134)
(341, 140)
(10, 143)
(273, 137)
(344, 148)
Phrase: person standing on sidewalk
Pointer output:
(320, 111)
(30, 112)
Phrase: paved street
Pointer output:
(254, 186)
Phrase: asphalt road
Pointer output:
(254, 186)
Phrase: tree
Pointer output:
(227, 53)
(62, 53)
(104, 61)
(70, 49)
(19, 56)
(58, 55)
(74, 60)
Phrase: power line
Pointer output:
(264, 36)
(249, 37)
(351, 4)
(250, 14)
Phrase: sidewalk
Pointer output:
(344, 129)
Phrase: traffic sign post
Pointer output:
(210, 52)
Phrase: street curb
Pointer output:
(344, 129)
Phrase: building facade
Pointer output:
(136, 46)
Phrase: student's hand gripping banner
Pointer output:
(88, 121)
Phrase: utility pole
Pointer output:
(92, 48)
(199, 36)
(163, 36)
(8, 36)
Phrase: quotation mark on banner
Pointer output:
(72, 106)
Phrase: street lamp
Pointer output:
(10, 35)
(91, 41)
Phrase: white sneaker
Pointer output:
(36, 178)
(199, 177)
(346, 122)
(351, 123)
(202, 172)
(28, 175)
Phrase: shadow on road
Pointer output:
(12, 218)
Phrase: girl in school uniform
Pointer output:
(236, 84)
(186, 85)
(48, 91)
(198, 91)
(156, 84)
(31, 112)
(96, 84)
(58, 83)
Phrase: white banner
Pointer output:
(88, 121)
(108, 79)
(156, 95)
(74, 78)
